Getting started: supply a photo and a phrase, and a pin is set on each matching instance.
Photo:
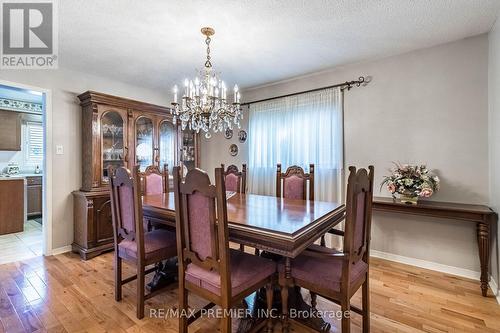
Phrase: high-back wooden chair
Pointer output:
(235, 180)
(293, 183)
(131, 243)
(207, 267)
(154, 180)
(338, 275)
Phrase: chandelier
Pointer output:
(204, 105)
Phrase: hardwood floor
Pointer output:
(64, 294)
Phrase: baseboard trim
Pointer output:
(61, 250)
(434, 266)
(494, 287)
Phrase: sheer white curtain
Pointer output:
(298, 130)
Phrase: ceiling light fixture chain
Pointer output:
(208, 64)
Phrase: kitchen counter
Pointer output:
(20, 175)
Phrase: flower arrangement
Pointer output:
(411, 182)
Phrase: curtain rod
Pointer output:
(344, 85)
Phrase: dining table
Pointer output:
(279, 227)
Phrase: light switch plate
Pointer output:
(59, 150)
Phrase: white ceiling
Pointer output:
(156, 43)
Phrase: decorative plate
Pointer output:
(233, 150)
(242, 136)
(228, 133)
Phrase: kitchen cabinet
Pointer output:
(11, 205)
(34, 195)
(10, 130)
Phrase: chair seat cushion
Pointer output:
(324, 272)
(159, 244)
(245, 270)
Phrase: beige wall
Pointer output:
(66, 131)
(428, 106)
(494, 121)
(215, 150)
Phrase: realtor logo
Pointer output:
(29, 34)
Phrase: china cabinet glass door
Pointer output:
(144, 142)
(167, 145)
(113, 138)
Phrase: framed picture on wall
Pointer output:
(233, 150)
(242, 136)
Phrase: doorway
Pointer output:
(25, 172)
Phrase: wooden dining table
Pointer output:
(278, 226)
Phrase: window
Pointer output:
(297, 130)
(34, 143)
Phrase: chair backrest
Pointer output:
(235, 180)
(293, 183)
(154, 181)
(126, 207)
(201, 222)
(358, 215)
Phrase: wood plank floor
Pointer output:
(64, 294)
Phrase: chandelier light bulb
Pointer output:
(175, 94)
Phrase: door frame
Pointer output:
(47, 163)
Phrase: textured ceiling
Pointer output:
(155, 43)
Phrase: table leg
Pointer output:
(284, 294)
(483, 241)
(257, 301)
(166, 273)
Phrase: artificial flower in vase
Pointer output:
(411, 182)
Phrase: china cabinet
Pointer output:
(121, 132)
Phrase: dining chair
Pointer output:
(131, 243)
(334, 275)
(293, 183)
(235, 180)
(207, 266)
(154, 180)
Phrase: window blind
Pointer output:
(34, 142)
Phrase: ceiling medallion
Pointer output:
(204, 105)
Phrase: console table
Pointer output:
(483, 216)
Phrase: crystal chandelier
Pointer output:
(204, 105)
